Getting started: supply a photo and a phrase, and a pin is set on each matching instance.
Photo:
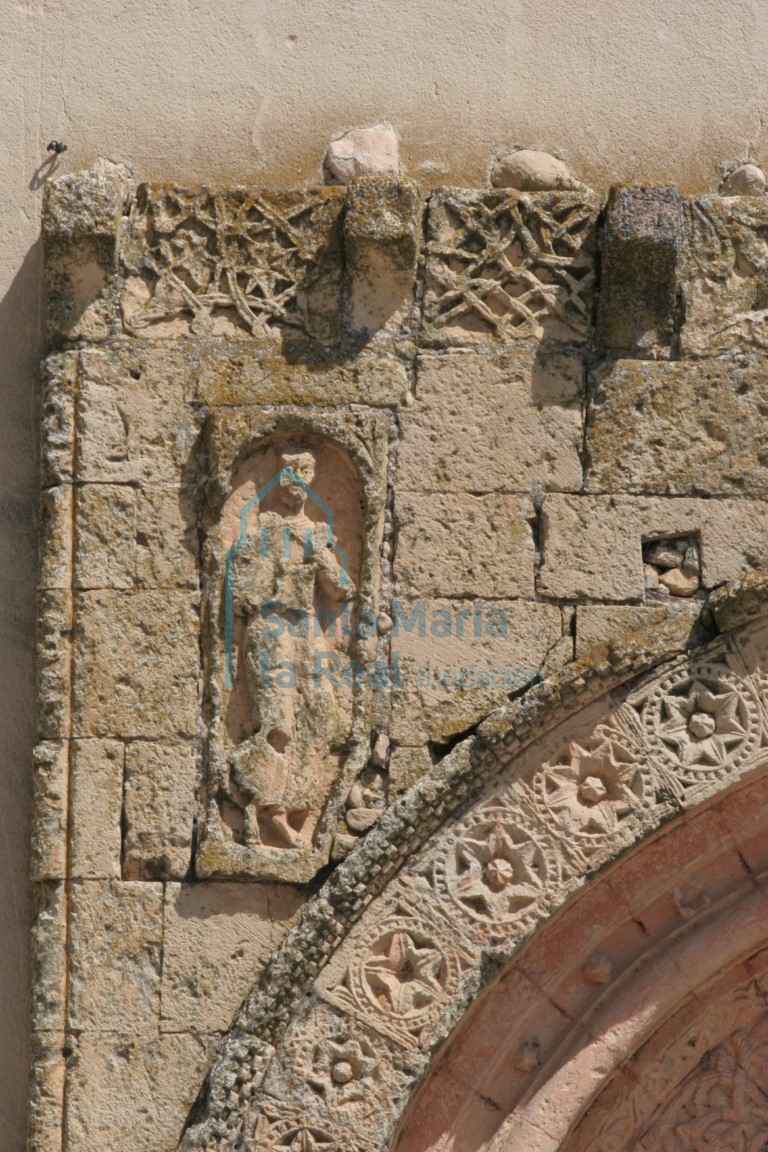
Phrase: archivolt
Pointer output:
(389, 956)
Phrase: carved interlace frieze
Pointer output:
(209, 261)
(510, 265)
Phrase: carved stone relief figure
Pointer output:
(288, 583)
(291, 655)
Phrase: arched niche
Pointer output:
(291, 565)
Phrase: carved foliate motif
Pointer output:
(509, 264)
(590, 787)
(402, 979)
(495, 872)
(210, 261)
(593, 786)
(702, 721)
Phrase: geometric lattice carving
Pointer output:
(510, 265)
(214, 261)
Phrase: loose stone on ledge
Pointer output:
(362, 152)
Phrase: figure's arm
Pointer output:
(334, 580)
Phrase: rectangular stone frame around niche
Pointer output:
(362, 434)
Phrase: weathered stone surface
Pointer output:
(166, 538)
(137, 664)
(484, 426)
(46, 1091)
(57, 418)
(608, 625)
(56, 537)
(160, 782)
(509, 265)
(363, 152)
(678, 429)
(223, 372)
(407, 765)
(81, 221)
(453, 661)
(592, 545)
(217, 938)
(638, 285)
(746, 180)
(464, 545)
(50, 784)
(247, 262)
(49, 957)
(130, 1094)
(724, 279)
(105, 536)
(115, 959)
(97, 801)
(382, 236)
(531, 171)
(54, 663)
(133, 424)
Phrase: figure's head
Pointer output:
(302, 464)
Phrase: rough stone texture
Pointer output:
(243, 262)
(160, 783)
(530, 171)
(509, 265)
(54, 670)
(49, 955)
(105, 536)
(382, 237)
(223, 372)
(456, 660)
(81, 224)
(363, 152)
(116, 956)
(46, 1090)
(218, 937)
(97, 804)
(407, 765)
(638, 286)
(746, 180)
(607, 625)
(56, 537)
(463, 545)
(133, 425)
(137, 664)
(592, 545)
(678, 429)
(724, 284)
(272, 366)
(132, 1094)
(479, 425)
(166, 538)
(50, 782)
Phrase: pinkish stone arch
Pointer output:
(633, 787)
(613, 1008)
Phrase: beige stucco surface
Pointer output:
(251, 90)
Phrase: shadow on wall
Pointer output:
(21, 341)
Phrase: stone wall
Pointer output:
(485, 468)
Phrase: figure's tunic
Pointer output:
(286, 581)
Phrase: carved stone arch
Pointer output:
(469, 866)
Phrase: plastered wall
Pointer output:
(253, 91)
